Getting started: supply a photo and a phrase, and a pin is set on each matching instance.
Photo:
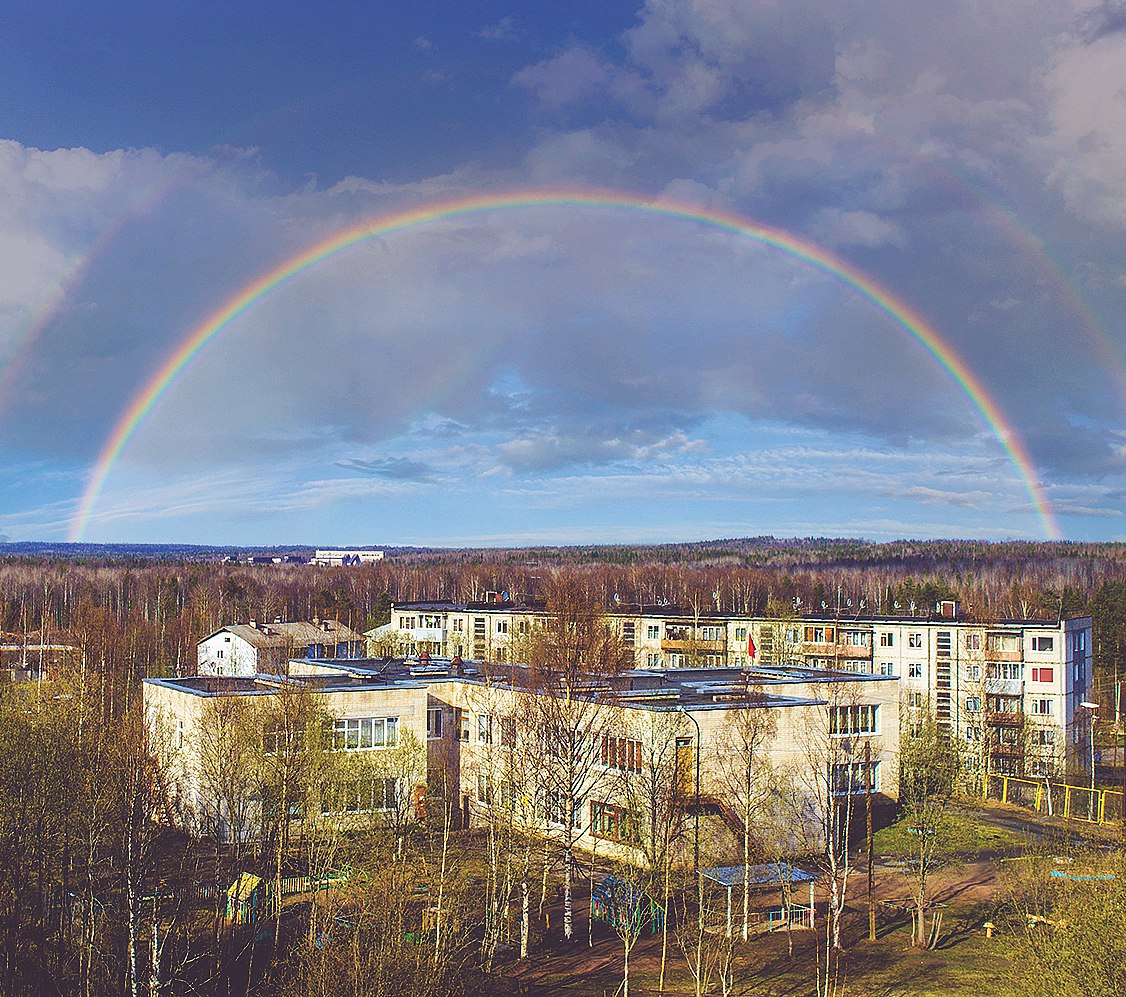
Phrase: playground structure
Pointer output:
(625, 906)
(720, 904)
(1057, 799)
(251, 898)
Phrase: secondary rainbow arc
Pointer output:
(904, 316)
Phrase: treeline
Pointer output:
(136, 618)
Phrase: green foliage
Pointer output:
(957, 835)
(1073, 938)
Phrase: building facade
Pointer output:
(1009, 690)
(247, 649)
(492, 734)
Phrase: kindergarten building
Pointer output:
(832, 733)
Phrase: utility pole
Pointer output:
(871, 843)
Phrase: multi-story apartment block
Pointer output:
(1008, 689)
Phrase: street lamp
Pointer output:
(696, 846)
(1092, 715)
(696, 860)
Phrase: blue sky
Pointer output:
(548, 375)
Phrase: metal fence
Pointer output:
(1058, 799)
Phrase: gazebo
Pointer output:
(726, 879)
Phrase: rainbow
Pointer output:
(143, 402)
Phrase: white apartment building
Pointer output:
(345, 558)
(1009, 689)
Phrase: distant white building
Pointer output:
(338, 558)
(248, 649)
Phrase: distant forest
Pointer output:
(139, 609)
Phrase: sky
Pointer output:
(737, 267)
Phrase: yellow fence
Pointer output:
(1058, 799)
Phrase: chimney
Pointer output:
(254, 623)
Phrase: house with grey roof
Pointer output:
(248, 649)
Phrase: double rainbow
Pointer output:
(144, 401)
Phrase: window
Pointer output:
(915, 640)
(856, 777)
(614, 823)
(1012, 670)
(621, 753)
(740, 633)
(973, 704)
(653, 659)
(711, 633)
(463, 733)
(819, 635)
(887, 640)
(361, 796)
(434, 723)
(887, 667)
(973, 642)
(277, 740)
(973, 733)
(407, 623)
(793, 635)
(653, 631)
(219, 653)
(484, 789)
(915, 699)
(856, 638)
(1043, 643)
(1043, 674)
(1045, 737)
(915, 670)
(357, 733)
(555, 810)
(484, 728)
(1002, 642)
(502, 626)
(1042, 707)
(226, 640)
(853, 719)
(458, 626)
(973, 672)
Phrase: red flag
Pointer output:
(750, 645)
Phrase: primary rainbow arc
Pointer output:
(144, 401)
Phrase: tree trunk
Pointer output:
(568, 924)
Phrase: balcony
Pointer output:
(995, 655)
(700, 646)
(852, 651)
(1004, 718)
(1005, 687)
